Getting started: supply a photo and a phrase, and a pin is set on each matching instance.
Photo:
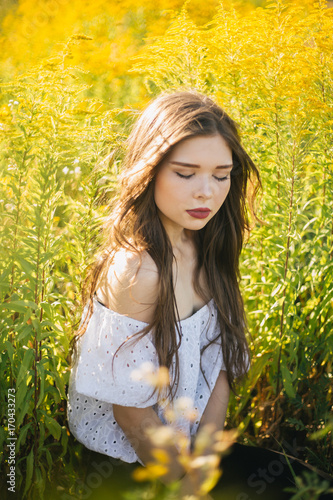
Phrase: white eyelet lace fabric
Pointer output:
(94, 387)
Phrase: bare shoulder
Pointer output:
(131, 285)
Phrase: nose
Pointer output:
(204, 189)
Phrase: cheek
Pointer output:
(224, 193)
(225, 188)
(162, 190)
(167, 187)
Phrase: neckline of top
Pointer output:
(110, 311)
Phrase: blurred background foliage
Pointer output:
(74, 75)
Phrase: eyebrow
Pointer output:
(193, 165)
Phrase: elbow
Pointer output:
(122, 415)
(130, 419)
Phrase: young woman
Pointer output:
(165, 288)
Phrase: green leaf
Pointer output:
(25, 365)
(287, 381)
(55, 393)
(24, 333)
(10, 350)
(60, 385)
(53, 426)
(29, 471)
(4, 275)
(19, 306)
(27, 267)
(3, 437)
(36, 325)
(41, 373)
(22, 435)
(64, 441)
(40, 479)
(48, 458)
(11, 306)
(26, 403)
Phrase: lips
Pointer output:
(199, 213)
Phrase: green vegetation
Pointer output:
(61, 149)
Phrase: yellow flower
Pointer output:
(161, 456)
(156, 377)
(162, 436)
(150, 472)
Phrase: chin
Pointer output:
(197, 225)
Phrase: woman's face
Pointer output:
(193, 182)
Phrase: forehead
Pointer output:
(203, 149)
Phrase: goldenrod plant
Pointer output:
(73, 77)
(35, 29)
(278, 86)
(52, 138)
(200, 458)
(202, 463)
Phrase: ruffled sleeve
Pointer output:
(106, 373)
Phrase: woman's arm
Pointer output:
(130, 288)
(214, 415)
(132, 291)
(216, 409)
(134, 422)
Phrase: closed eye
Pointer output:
(184, 176)
(222, 178)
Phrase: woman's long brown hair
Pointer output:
(134, 224)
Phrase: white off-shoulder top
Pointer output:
(94, 387)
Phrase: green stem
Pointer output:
(331, 252)
(291, 203)
(36, 392)
(17, 218)
(14, 247)
(278, 157)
